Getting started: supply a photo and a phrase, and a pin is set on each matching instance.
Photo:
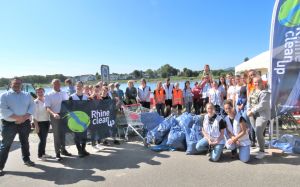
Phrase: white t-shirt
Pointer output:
(231, 92)
(53, 100)
(40, 112)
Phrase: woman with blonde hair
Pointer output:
(159, 98)
(130, 93)
(213, 132)
(259, 112)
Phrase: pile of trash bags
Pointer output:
(288, 143)
(177, 133)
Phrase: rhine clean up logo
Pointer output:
(289, 13)
(78, 121)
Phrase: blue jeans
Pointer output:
(9, 131)
(217, 150)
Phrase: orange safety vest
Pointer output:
(160, 96)
(177, 97)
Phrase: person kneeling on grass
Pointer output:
(237, 132)
(213, 131)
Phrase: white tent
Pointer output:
(260, 62)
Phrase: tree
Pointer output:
(187, 72)
(137, 74)
(150, 72)
(98, 77)
(167, 70)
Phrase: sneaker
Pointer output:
(58, 157)
(253, 144)
(255, 150)
(105, 142)
(29, 163)
(1, 173)
(99, 147)
(85, 153)
(47, 156)
(66, 153)
(260, 155)
(116, 142)
(42, 158)
(80, 154)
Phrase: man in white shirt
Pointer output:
(53, 102)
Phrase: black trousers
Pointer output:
(43, 134)
(9, 131)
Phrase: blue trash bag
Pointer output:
(158, 134)
(193, 135)
(296, 148)
(288, 143)
(185, 120)
(176, 138)
(161, 147)
(198, 120)
(151, 120)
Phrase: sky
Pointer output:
(73, 37)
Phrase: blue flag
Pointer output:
(285, 53)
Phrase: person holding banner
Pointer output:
(95, 135)
(259, 113)
(53, 102)
(80, 137)
(112, 130)
(143, 94)
(16, 108)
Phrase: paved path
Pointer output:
(130, 164)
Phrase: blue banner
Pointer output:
(285, 52)
(97, 115)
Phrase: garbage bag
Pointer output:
(176, 138)
(185, 120)
(151, 120)
(288, 143)
(192, 135)
(158, 134)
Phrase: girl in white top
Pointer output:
(238, 137)
(188, 97)
(216, 97)
(41, 122)
(143, 94)
(213, 132)
(231, 90)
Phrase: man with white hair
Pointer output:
(53, 102)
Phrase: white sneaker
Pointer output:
(47, 156)
(255, 150)
(99, 147)
(42, 158)
(95, 149)
(260, 155)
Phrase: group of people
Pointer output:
(236, 111)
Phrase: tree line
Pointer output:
(35, 79)
(163, 72)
